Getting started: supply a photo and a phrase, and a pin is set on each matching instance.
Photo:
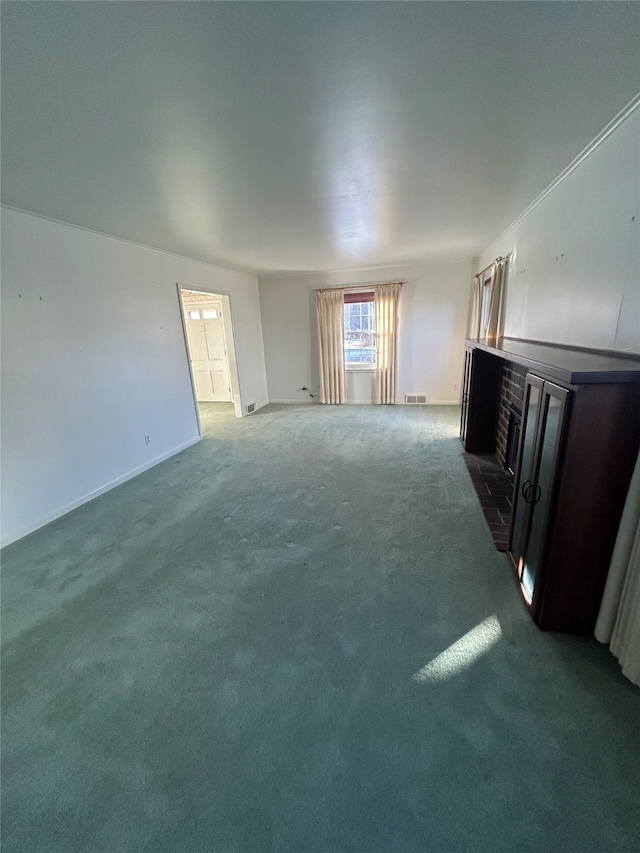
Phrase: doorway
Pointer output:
(210, 349)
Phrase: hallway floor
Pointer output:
(298, 636)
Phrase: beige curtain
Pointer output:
(476, 314)
(493, 331)
(387, 297)
(330, 311)
(619, 619)
(498, 270)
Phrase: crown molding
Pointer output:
(595, 143)
(243, 270)
(352, 270)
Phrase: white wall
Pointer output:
(93, 359)
(574, 272)
(433, 316)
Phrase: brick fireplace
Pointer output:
(492, 473)
(510, 413)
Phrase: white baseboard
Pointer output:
(371, 402)
(302, 402)
(65, 510)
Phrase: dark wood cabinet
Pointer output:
(579, 440)
(480, 390)
(537, 476)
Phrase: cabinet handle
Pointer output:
(526, 492)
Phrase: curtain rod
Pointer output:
(359, 286)
(497, 260)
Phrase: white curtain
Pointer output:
(330, 311)
(619, 619)
(488, 329)
(476, 314)
(386, 301)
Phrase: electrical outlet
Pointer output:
(455, 387)
(147, 439)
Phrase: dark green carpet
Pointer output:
(245, 650)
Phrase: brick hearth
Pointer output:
(494, 487)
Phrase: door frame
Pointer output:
(232, 364)
(207, 301)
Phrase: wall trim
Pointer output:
(241, 270)
(300, 402)
(90, 496)
(370, 403)
(615, 122)
(430, 403)
(350, 270)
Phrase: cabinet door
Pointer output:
(481, 397)
(521, 509)
(466, 385)
(540, 495)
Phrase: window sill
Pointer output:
(360, 368)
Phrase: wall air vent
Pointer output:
(416, 399)
(251, 407)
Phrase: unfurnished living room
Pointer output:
(320, 427)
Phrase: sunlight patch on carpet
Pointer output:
(462, 654)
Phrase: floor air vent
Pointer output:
(416, 399)
(251, 407)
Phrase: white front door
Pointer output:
(208, 352)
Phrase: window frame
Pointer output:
(350, 298)
(485, 305)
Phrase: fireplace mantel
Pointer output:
(567, 364)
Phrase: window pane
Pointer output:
(360, 356)
(359, 334)
(486, 300)
(209, 314)
(194, 315)
(360, 348)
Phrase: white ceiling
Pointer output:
(304, 136)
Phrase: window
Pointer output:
(486, 303)
(194, 315)
(359, 330)
(209, 314)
